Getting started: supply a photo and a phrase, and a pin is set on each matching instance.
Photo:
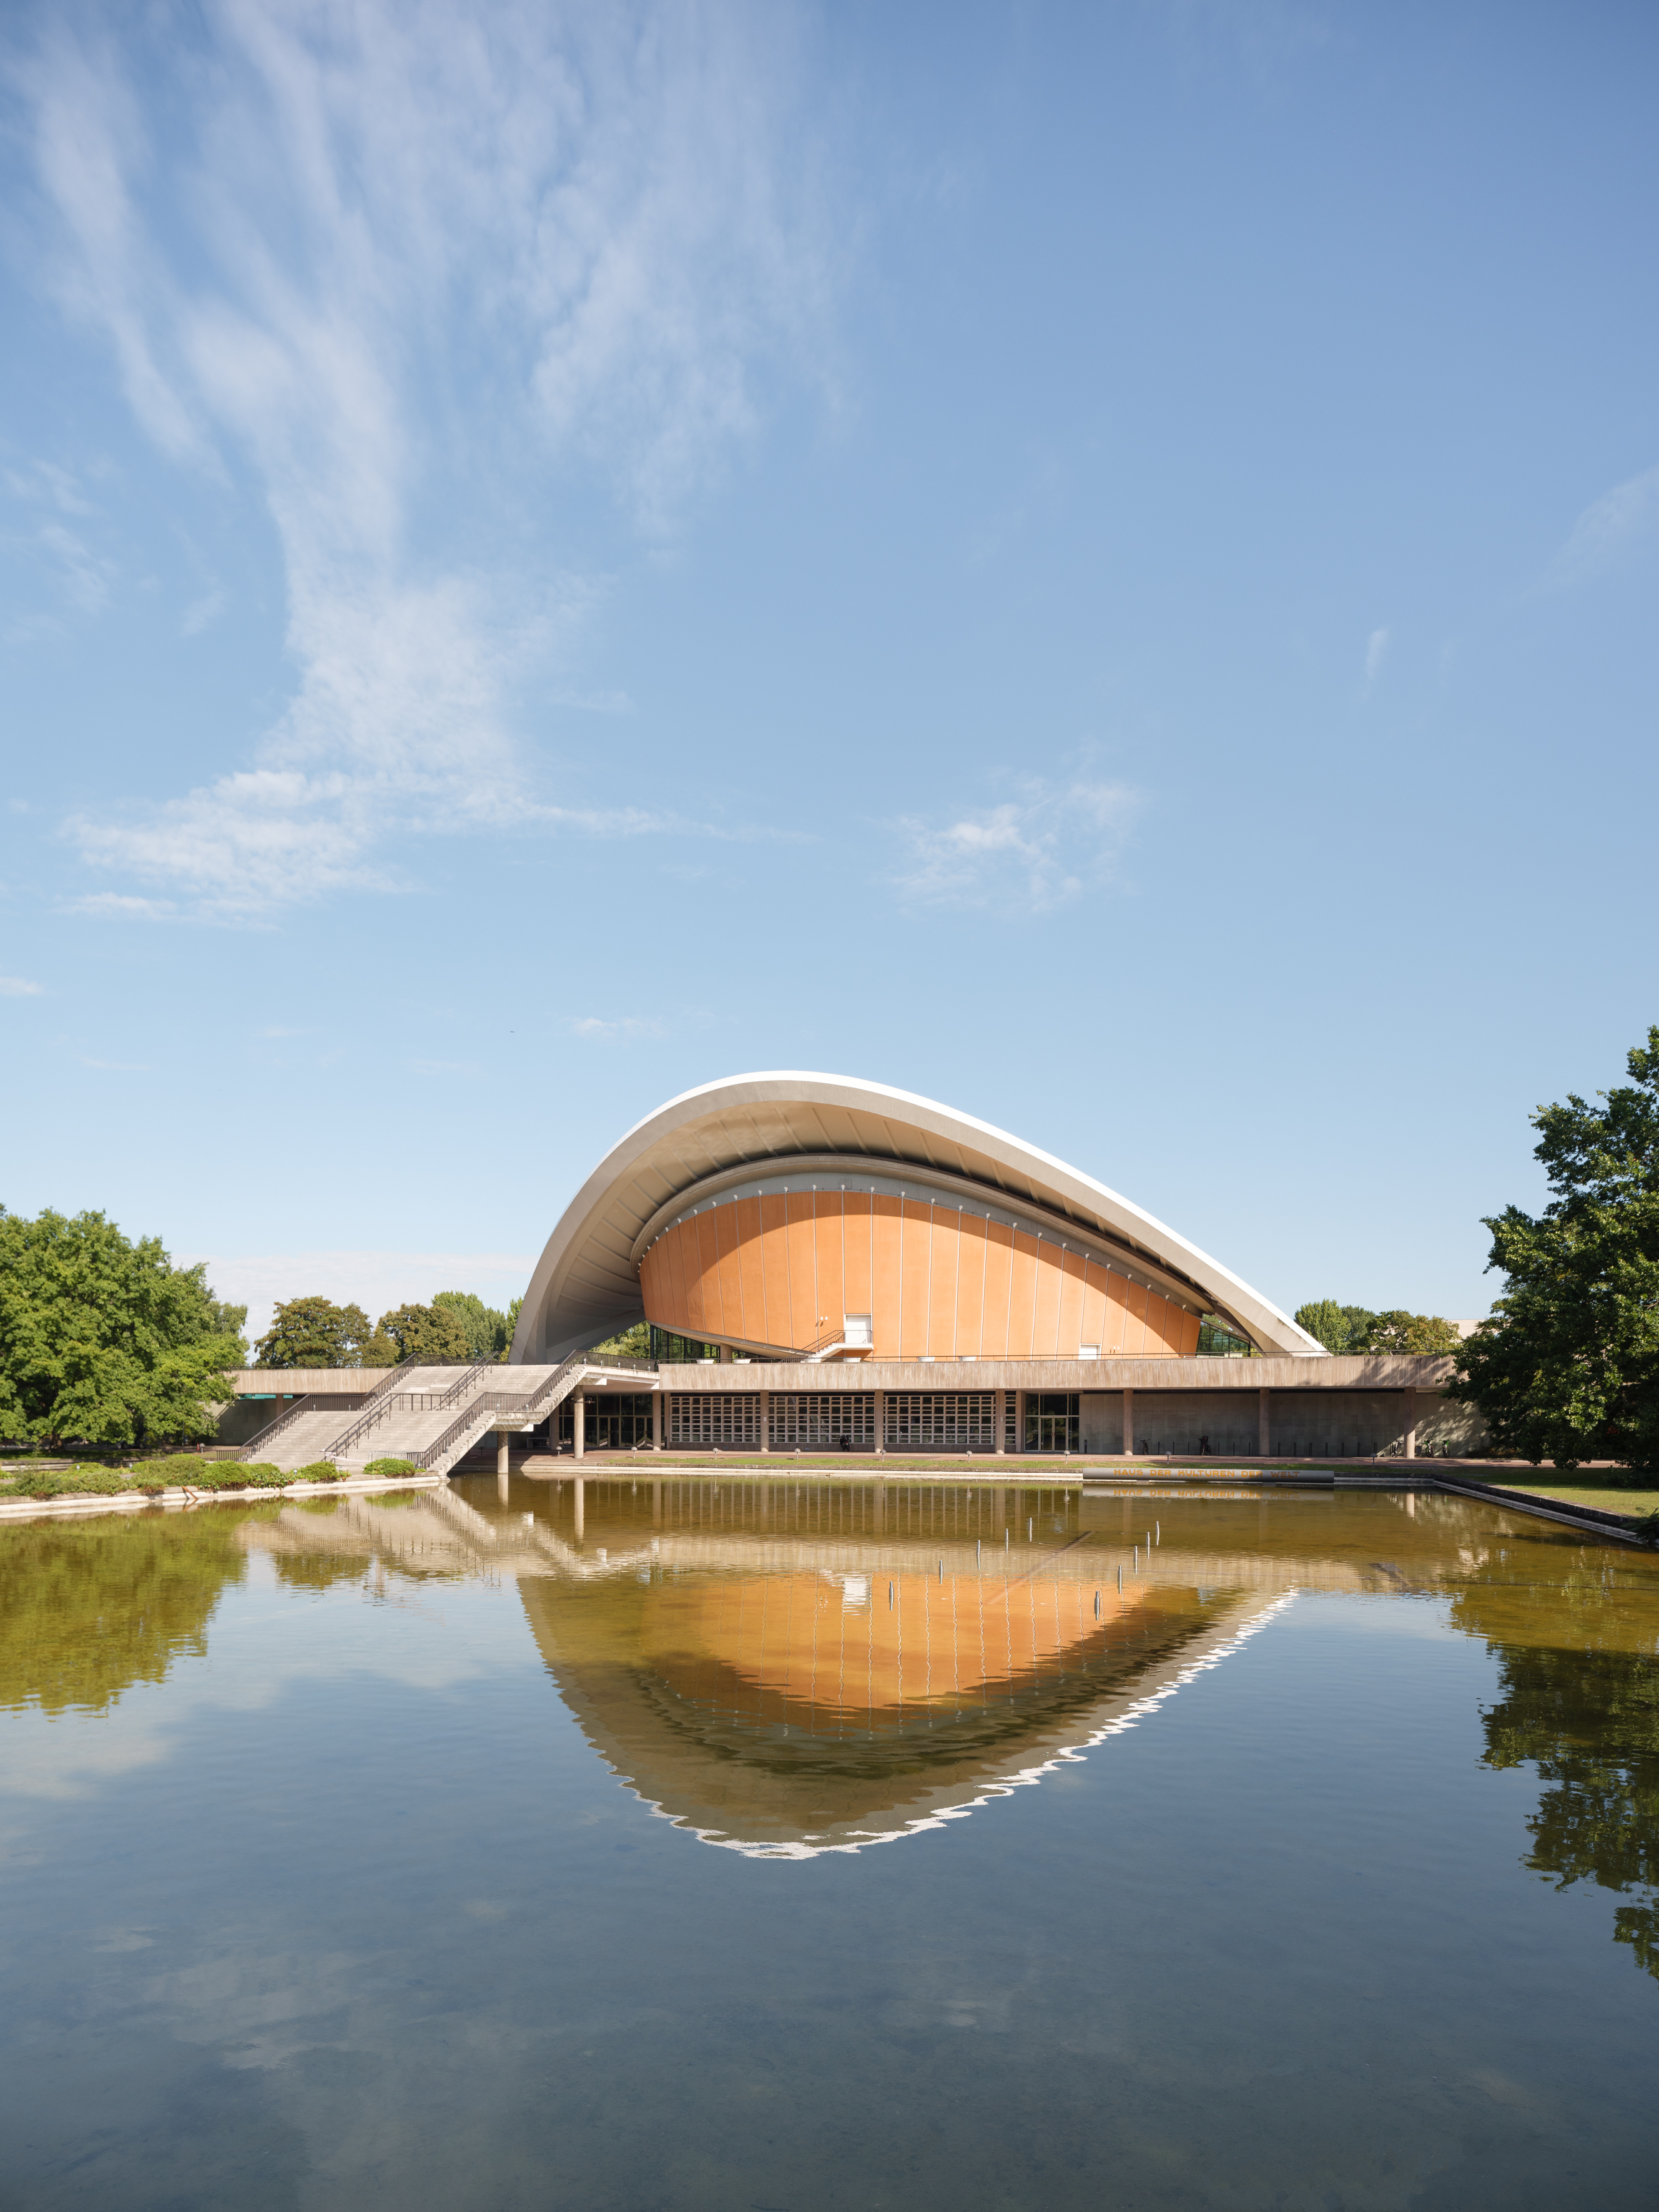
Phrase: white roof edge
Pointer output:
(1272, 1327)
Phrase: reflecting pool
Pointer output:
(728, 1843)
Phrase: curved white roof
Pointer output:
(587, 1283)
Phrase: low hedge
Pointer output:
(184, 1471)
(389, 1470)
(320, 1470)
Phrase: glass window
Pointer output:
(1053, 1421)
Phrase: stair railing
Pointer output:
(306, 1405)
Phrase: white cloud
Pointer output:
(201, 613)
(13, 987)
(1025, 856)
(1607, 527)
(377, 1281)
(398, 259)
(1377, 648)
(607, 1029)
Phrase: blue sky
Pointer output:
(1093, 562)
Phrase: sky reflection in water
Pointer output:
(357, 1853)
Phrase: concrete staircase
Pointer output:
(433, 1416)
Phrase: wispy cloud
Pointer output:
(1376, 651)
(610, 1029)
(118, 1066)
(1026, 855)
(396, 259)
(13, 987)
(1607, 528)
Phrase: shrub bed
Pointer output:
(320, 1470)
(390, 1470)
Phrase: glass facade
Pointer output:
(666, 1345)
(1053, 1421)
(1217, 1341)
(617, 1420)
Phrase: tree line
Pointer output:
(1357, 1328)
(454, 1326)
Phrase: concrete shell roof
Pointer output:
(587, 1284)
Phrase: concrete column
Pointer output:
(1002, 1417)
(501, 1439)
(881, 1422)
(763, 1419)
(656, 1420)
(579, 1487)
(1019, 1420)
(1128, 1422)
(578, 1422)
(1264, 1431)
(1411, 1424)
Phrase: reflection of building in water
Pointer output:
(786, 1668)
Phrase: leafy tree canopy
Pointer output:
(1334, 1326)
(1567, 1368)
(1357, 1328)
(105, 1340)
(488, 1332)
(432, 1336)
(315, 1333)
(633, 1343)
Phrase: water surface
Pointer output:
(727, 1844)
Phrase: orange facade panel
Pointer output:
(969, 1334)
(801, 1266)
(1071, 1303)
(885, 1271)
(999, 1283)
(1045, 1320)
(751, 1271)
(857, 1231)
(936, 1279)
(916, 1240)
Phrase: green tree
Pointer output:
(487, 1333)
(634, 1343)
(104, 1340)
(431, 1336)
(314, 1333)
(1398, 1331)
(515, 1307)
(1337, 1328)
(1567, 1368)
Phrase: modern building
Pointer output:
(823, 1261)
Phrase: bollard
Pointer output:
(1157, 1531)
(1097, 1605)
(1119, 1582)
(890, 1597)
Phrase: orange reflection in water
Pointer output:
(807, 1648)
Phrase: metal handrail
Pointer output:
(376, 1407)
(275, 1428)
(522, 1405)
(305, 1404)
(493, 1403)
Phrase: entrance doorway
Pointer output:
(1052, 1421)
